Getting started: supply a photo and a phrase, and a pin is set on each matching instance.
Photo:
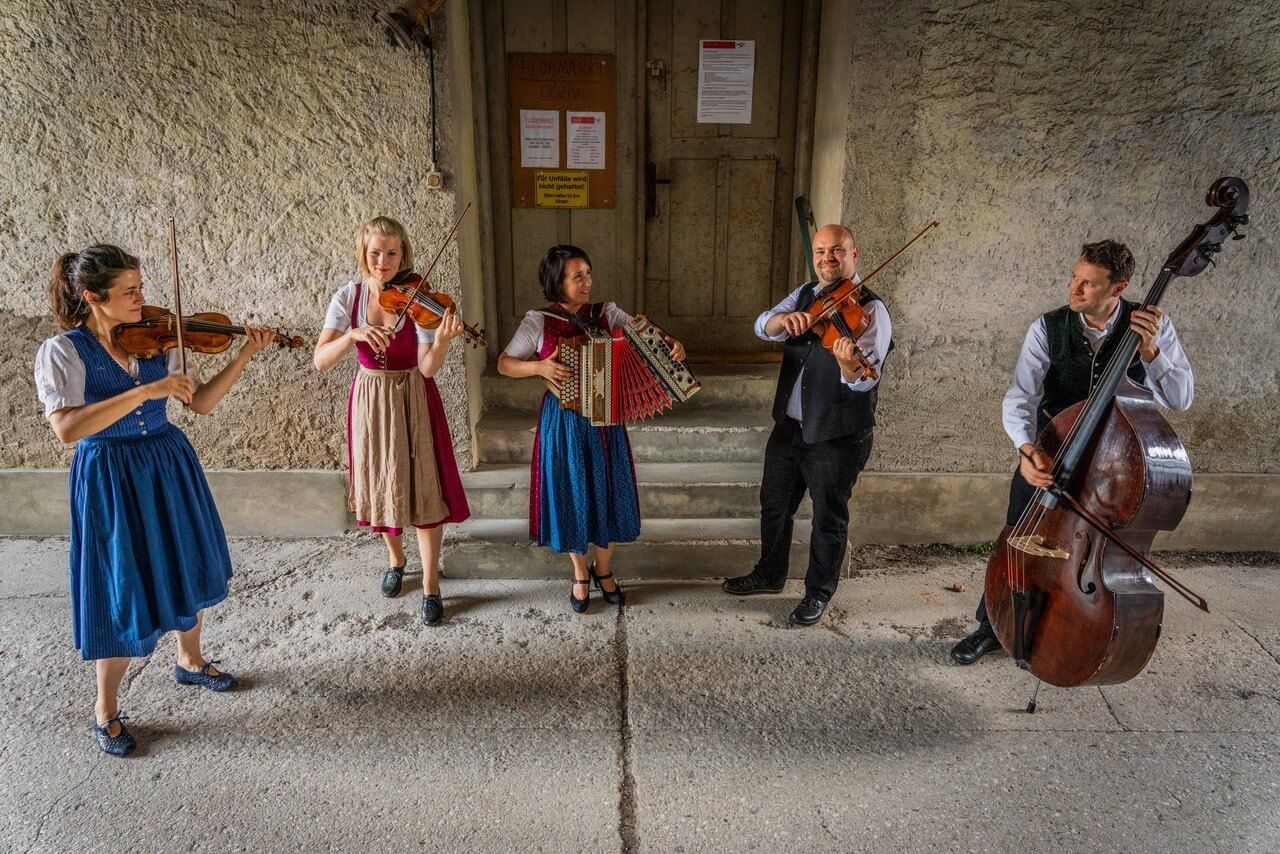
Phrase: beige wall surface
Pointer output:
(1028, 128)
(270, 130)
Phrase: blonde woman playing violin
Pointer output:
(402, 469)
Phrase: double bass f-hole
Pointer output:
(1084, 564)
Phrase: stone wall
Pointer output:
(1028, 128)
(270, 130)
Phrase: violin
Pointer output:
(1070, 589)
(836, 313)
(203, 332)
(408, 293)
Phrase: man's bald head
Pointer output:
(835, 231)
(835, 254)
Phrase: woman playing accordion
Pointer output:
(582, 482)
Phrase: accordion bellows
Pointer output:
(622, 376)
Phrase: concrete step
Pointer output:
(683, 436)
(724, 386)
(667, 491)
(667, 548)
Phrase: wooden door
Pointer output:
(718, 223)
(522, 235)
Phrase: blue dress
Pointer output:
(582, 479)
(148, 552)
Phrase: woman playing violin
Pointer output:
(148, 553)
(402, 469)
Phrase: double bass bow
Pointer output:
(1070, 588)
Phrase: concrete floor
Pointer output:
(693, 722)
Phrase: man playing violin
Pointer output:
(1064, 354)
(823, 412)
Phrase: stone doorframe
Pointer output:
(819, 154)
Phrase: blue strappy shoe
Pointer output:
(203, 678)
(121, 744)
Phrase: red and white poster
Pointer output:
(584, 140)
(726, 72)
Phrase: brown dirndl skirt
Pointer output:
(395, 480)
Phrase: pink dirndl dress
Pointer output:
(400, 463)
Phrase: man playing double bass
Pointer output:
(1065, 352)
(824, 411)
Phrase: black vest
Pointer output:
(831, 408)
(1074, 367)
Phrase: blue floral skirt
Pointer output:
(147, 548)
(582, 483)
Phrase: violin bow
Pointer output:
(886, 262)
(423, 281)
(177, 293)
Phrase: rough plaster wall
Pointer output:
(1028, 128)
(270, 129)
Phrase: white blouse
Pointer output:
(339, 314)
(60, 373)
(527, 342)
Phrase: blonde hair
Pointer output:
(383, 226)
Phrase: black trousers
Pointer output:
(1020, 495)
(828, 471)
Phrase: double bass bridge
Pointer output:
(1038, 546)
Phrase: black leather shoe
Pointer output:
(614, 596)
(808, 612)
(579, 605)
(749, 584)
(432, 609)
(392, 580)
(974, 647)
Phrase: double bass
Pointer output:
(1070, 588)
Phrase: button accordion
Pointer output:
(622, 376)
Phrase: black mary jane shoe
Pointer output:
(808, 612)
(974, 647)
(120, 744)
(392, 580)
(613, 597)
(580, 605)
(432, 609)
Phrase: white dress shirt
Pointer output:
(874, 343)
(1168, 374)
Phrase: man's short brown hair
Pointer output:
(1114, 257)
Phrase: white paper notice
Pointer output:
(584, 140)
(540, 139)
(725, 73)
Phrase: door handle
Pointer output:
(651, 182)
